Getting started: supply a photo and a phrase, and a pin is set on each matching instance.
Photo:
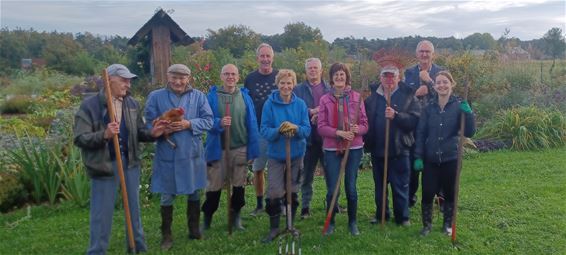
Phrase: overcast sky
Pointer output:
(527, 19)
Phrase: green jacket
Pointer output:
(89, 129)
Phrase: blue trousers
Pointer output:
(332, 170)
(102, 200)
(398, 177)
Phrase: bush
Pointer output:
(17, 104)
(12, 192)
(527, 128)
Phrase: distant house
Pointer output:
(518, 53)
(32, 63)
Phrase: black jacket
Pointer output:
(437, 132)
(405, 121)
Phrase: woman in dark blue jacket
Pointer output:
(437, 144)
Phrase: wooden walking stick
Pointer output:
(385, 158)
(112, 116)
(459, 165)
(227, 100)
(341, 173)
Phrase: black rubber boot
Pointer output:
(448, 210)
(210, 206)
(166, 221)
(273, 229)
(427, 218)
(193, 218)
(238, 201)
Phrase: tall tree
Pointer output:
(554, 44)
(296, 33)
(236, 38)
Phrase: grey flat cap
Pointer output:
(180, 69)
(120, 70)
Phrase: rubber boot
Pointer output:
(427, 218)
(238, 201)
(352, 222)
(210, 206)
(273, 229)
(448, 210)
(166, 221)
(237, 220)
(193, 218)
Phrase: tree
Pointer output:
(554, 44)
(235, 38)
(296, 33)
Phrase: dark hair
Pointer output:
(340, 67)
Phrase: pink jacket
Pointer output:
(327, 118)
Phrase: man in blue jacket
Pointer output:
(233, 109)
(180, 169)
(311, 90)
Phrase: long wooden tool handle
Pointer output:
(288, 182)
(228, 170)
(112, 116)
(459, 166)
(385, 160)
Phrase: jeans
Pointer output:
(102, 199)
(332, 168)
(398, 177)
(313, 155)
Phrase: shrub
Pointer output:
(17, 104)
(75, 185)
(12, 192)
(527, 128)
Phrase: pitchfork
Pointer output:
(290, 238)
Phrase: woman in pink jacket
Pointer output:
(342, 121)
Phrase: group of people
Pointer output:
(255, 123)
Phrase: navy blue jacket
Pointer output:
(405, 121)
(437, 132)
(413, 80)
(304, 92)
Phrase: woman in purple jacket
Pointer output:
(342, 119)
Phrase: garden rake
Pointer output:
(290, 238)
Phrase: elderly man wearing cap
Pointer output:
(403, 114)
(179, 169)
(93, 133)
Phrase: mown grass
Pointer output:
(511, 203)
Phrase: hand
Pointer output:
(112, 129)
(226, 121)
(425, 77)
(159, 128)
(465, 107)
(288, 129)
(354, 128)
(314, 119)
(346, 135)
(418, 165)
(179, 125)
(389, 113)
(421, 91)
(314, 111)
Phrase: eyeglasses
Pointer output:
(230, 74)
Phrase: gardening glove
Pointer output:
(288, 129)
(418, 165)
(465, 107)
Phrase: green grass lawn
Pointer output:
(511, 203)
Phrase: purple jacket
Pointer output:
(327, 118)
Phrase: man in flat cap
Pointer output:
(179, 167)
(93, 133)
(395, 102)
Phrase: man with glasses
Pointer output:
(233, 109)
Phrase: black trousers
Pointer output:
(437, 177)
